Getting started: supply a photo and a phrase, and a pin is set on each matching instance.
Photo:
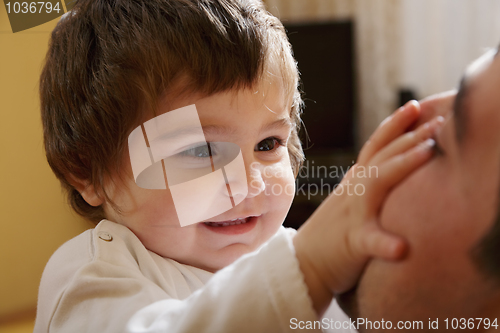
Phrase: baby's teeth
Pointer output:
(232, 222)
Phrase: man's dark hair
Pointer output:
(487, 253)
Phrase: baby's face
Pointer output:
(258, 121)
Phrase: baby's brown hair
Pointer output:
(110, 61)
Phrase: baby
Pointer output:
(112, 68)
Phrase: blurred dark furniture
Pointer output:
(325, 55)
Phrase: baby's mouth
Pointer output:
(228, 223)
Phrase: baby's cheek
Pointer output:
(159, 207)
(280, 183)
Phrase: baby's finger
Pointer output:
(393, 171)
(389, 129)
(408, 141)
(372, 241)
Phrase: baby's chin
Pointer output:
(230, 254)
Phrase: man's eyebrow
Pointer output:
(460, 110)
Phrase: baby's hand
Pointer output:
(335, 243)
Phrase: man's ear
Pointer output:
(86, 190)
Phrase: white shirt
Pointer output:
(105, 280)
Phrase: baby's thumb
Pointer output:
(371, 241)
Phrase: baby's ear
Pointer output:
(86, 190)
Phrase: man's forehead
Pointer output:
(482, 83)
(471, 95)
(477, 111)
(480, 64)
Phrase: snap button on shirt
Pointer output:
(105, 236)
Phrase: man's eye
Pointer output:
(438, 151)
(199, 152)
(268, 144)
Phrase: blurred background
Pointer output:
(360, 60)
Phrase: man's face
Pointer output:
(443, 210)
(258, 122)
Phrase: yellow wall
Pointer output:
(34, 218)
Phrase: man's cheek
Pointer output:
(386, 289)
(407, 208)
(396, 214)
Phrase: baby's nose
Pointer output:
(249, 185)
(256, 184)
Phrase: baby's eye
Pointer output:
(199, 152)
(269, 144)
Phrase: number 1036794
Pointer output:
(470, 323)
(32, 7)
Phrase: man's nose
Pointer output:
(436, 105)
